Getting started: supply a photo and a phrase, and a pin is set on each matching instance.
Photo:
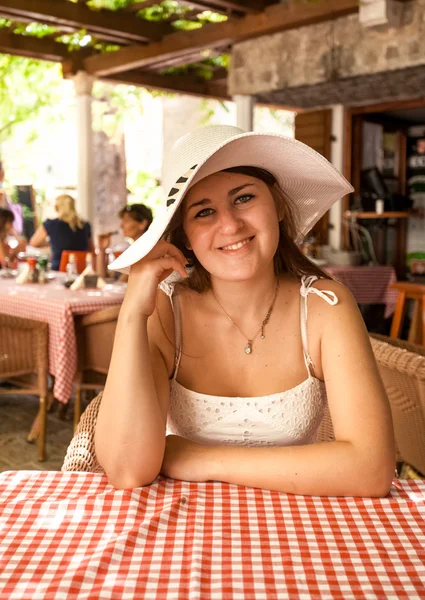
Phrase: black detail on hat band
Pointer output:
(178, 186)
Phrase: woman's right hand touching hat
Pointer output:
(147, 274)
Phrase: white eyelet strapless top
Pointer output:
(287, 418)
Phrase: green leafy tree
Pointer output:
(27, 87)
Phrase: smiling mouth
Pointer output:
(238, 245)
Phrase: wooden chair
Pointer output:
(80, 257)
(415, 292)
(24, 363)
(95, 338)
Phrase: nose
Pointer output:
(230, 221)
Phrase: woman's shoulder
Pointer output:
(331, 302)
(50, 225)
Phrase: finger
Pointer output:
(176, 253)
(173, 263)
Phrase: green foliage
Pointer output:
(144, 188)
(203, 69)
(27, 87)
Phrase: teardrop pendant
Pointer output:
(248, 347)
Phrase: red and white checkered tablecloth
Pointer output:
(57, 306)
(368, 284)
(71, 535)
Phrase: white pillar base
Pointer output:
(245, 112)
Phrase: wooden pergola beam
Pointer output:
(220, 6)
(31, 47)
(186, 84)
(104, 24)
(277, 17)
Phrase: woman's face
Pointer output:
(231, 224)
(132, 228)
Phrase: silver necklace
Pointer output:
(248, 347)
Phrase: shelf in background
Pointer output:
(375, 215)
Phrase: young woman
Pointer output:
(67, 232)
(238, 356)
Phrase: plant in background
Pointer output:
(144, 188)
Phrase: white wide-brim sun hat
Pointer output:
(304, 175)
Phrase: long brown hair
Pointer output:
(6, 216)
(288, 257)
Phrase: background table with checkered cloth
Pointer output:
(71, 535)
(368, 284)
(57, 306)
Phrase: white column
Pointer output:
(337, 159)
(83, 83)
(244, 112)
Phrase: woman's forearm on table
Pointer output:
(130, 429)
(328, 469)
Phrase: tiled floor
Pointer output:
(16, 416)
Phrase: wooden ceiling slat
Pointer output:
(245, 6)
(190, 85)
(277, 17)
(218, 6)
(106, 25)
(30, 47)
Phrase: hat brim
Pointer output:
(305, 176)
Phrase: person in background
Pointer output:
(16, 209)
(135, 220)
(7, 232)
(67, 232)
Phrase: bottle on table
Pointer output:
(42, 269)
(89, 261)
(71, 268)
(32, 276)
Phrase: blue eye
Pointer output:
(201, 213)
(245, 198)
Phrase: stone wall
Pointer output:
(334, 58)
(110, 191)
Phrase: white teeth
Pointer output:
(236, 246)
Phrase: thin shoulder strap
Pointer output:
(175, 304)
(168, 288)
(305, 285)
(327, 295)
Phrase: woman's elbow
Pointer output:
(378, 481)
(129, 481)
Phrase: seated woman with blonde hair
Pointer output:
(231, 345)
(67, 232)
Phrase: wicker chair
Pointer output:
(80, 455)
(95, 337)
(24, 363)
(402, 368)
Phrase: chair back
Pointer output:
(95, 339)
(80, 454)
(80, 257)
(402, 368)
(24, 352)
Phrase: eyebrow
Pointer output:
(230, 193)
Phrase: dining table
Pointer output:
(69, 535)
(369, 284)
(57, 305)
